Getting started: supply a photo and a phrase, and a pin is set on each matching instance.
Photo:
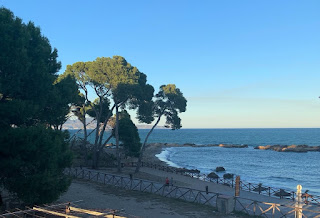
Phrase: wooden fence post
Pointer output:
(298, 206)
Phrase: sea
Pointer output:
(274, 169)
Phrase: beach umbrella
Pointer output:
(212, 175)
(259, 188)
(228, 176)
(282, 193)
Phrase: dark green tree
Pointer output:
(32, 163)
(129, 135)
(169, 102)
(64, 94)
(32, 155)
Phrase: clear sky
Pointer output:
(240, 64)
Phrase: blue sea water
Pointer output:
(276, 169)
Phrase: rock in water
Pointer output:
(220, 169)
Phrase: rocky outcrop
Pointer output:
(289, 148)
(232, 146)
(172, 145)
(195, 145)
(189, 144)
(279, 148)
(220, 169)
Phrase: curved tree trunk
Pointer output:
(144, 145)
(95, 146)
(99, 144)
(105, 125)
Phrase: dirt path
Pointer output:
(132, 203)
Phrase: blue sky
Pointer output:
(240, 64)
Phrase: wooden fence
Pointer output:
(248, 206)
(246, 186)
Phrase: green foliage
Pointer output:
(28, 68)
(113, 80)
(94, 108)
(32, 163)
(145, 111)
(27, 62)
(78, 71)
(170, 102)
(128, 135)
(32, 100)
(64, 92)
(110, 72)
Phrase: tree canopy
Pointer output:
(33, 100)
(168, 102)
(118, 85)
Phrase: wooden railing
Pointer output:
(248, 206)
(246, 186)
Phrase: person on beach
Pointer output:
(167, 181)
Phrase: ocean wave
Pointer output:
(282, 178)
(165, 157)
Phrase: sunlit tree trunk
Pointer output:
(144, 145)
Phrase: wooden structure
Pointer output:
(63, 210)
(248, 206)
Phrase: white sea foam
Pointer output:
(165, 157)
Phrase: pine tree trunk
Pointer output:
(144, 145)
(85, 139)
(104, 128)
(95, 146)
(117, 139)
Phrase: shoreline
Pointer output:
(151, 151)
(154, 149)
